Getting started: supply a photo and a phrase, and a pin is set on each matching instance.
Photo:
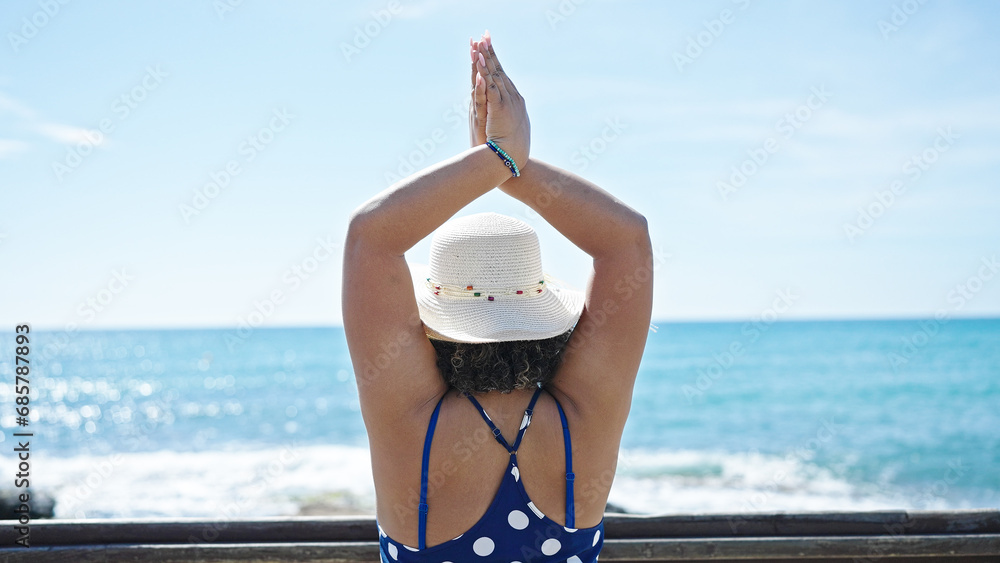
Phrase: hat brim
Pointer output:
(508, 317)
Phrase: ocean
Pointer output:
(726, 418)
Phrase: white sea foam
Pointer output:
(280, 481)
(723, 482)
(215, 484)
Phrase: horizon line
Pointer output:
(655, 323)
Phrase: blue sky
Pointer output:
(116, 115)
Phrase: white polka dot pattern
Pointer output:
(517, 520)
(483, 547)
(551, 546)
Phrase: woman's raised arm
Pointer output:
(394, 363)
(406, 212)
(602, 357)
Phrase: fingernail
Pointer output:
(482, 60)
(489, 40)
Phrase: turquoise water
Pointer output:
(726, 417)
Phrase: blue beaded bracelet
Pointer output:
(507, 160)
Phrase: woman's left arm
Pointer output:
(403, 214)
(394, 362)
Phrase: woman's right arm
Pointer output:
(603, 354)
(602, 357)
(394, 361)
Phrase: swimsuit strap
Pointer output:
(496, 431)
(527, 419)
(570, 477)
(423, 475)
(493, 427)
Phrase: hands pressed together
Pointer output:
(497, 112)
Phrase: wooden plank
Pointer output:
(875, 523)
(346, 552)
(815, 548)
(904, 559)
(617, 526)
(196, 531)
(859, 549)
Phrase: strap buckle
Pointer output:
(496, 432)
(571, 476)
(423, 507)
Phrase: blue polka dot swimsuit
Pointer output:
(513, 530)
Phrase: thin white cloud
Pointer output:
(10, 147)
(68, 134)
(58, 132)
(10, 105)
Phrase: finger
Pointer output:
(496, 73)
(477, 47)
(473, 56)
(494, 63)
(479, 97)
(474, 78)
(504, 77)
(494, 91)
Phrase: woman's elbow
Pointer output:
(367, 230)
(362, 222)
(638, 233)
(640, 224)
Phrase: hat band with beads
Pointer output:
(488, 294)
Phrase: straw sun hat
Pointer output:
(485, 283)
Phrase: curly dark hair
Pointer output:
(500, 366)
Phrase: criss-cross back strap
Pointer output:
(422, 539)
(526, 420)
(496, 431)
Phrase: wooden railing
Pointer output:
(855, 537)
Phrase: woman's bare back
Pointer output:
(467, 465)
